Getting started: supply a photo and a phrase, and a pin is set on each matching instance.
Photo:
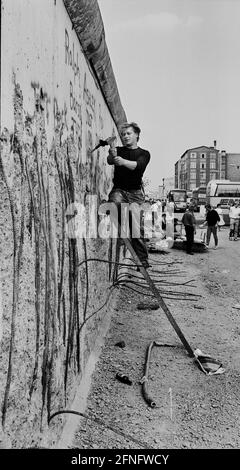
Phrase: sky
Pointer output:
(177, 67)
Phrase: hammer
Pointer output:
(102, 143)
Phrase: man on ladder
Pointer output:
(130, 162)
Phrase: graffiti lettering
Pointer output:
(89, 118)
(42, 99)
(100, 117)
(70, 57)
(89, 142)
(76, 129)
(88, 96)
(60, 117)
(74, 103)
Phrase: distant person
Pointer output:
(231, 231)
(170, 206)
(202, 210)
(234, 215)
(212, 219)
(159, 208)
(177, 234)
(193, 203)
(220, 213)
(164, 223)
(154, 208)
(189, 223)
(163, 204)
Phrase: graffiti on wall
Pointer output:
(75, 88)
(38, 186)
(51, 294)
(42, 99)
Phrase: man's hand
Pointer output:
(112, 152)
(118, 161)
(111, 156)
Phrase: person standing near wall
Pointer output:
(189, 223)
(130, 162)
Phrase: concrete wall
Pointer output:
(53, 112)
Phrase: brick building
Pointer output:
(198, 165)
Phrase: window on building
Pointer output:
(193, 155)
(192, 175)
(212, 165)
(203, 155)
(213, 156)
(212, 175)
(183, 166)
(192, 185)
(203, 165)
(193, 164)
(202, 176)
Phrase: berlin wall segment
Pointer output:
(51, 119)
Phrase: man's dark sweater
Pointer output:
(130, 179)
(189, 219)
(212, 217)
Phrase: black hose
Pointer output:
(145, 445)
(107, 261)
(144, 381)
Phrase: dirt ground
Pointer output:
(193, 410)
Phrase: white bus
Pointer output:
(223, 192)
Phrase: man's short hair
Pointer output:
(208, 206)
(134, 125)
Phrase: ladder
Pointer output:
(158, 297)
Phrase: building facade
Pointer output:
(197, 166)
